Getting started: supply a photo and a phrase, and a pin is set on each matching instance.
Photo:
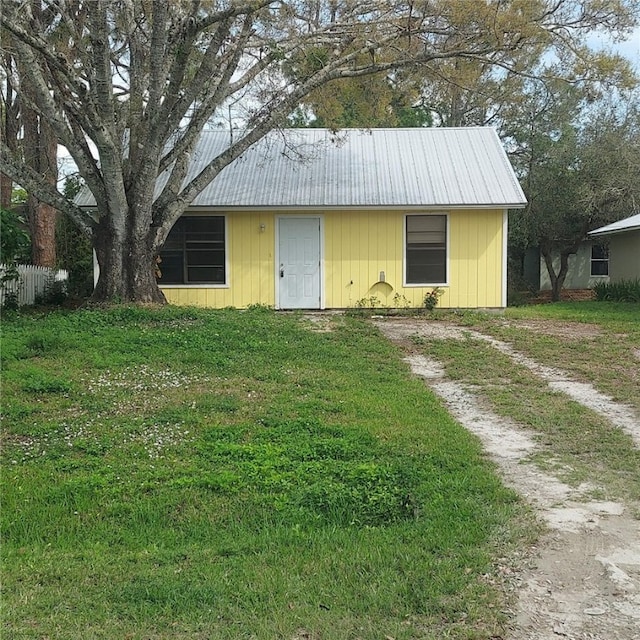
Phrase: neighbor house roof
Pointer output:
(628, 224)
(359, 168)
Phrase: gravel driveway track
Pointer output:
(583, 582)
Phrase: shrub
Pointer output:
(368, 303)
(401, 302)
(55, 292)
(9, 274)
(431, 298)
(14, 248)
(14, 239)
(622, 291)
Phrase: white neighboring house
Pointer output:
(587, 267)
(623, 237)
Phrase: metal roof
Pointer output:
(628, 224)
(359, 168)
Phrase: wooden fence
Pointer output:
(31, 283)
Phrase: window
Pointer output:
(194, 252)
(426, 249)
(599, 260)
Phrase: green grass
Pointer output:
(179, 473)
(616, 314)
(599, 342)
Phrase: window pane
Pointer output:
(599, 260)
(173, 243)
(426, 255)
(599, 268)
(205, 256)
(171, 268)
(426, 229)
(204, 224)
(194, 251)
(599, 252)
(426, 223)
(206, 274)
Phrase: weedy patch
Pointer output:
(43, 343)
(180, 473)
(313, 471)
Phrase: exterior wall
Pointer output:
(624, 256)
(358, 246)
(579, 274)
(250, 267)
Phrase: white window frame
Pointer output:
(447, 249)
(227, 262)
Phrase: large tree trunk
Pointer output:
(557, 279)
(42, 227)
(40, 151)
(127, 262)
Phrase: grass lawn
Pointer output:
(181, 473)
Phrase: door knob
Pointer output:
(282, 271)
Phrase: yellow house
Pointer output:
(314, 219)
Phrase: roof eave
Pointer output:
(341, 207)
(359, 207)
(613, 232)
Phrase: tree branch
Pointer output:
(33, 182)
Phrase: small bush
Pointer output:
(55, 292)
(401, 302)
(431, 298)
(260, 308)
(14, 239)
(371, 302)
(8, 275)
(10, 302)
(622, 291)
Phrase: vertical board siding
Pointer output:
(251, 267)
(358, 245)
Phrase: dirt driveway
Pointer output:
(583, 581)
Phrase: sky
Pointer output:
(630, 48)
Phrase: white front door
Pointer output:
(298, 276)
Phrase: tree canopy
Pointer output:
(127, 86)
(580, 169)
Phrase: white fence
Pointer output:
(31, 283)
